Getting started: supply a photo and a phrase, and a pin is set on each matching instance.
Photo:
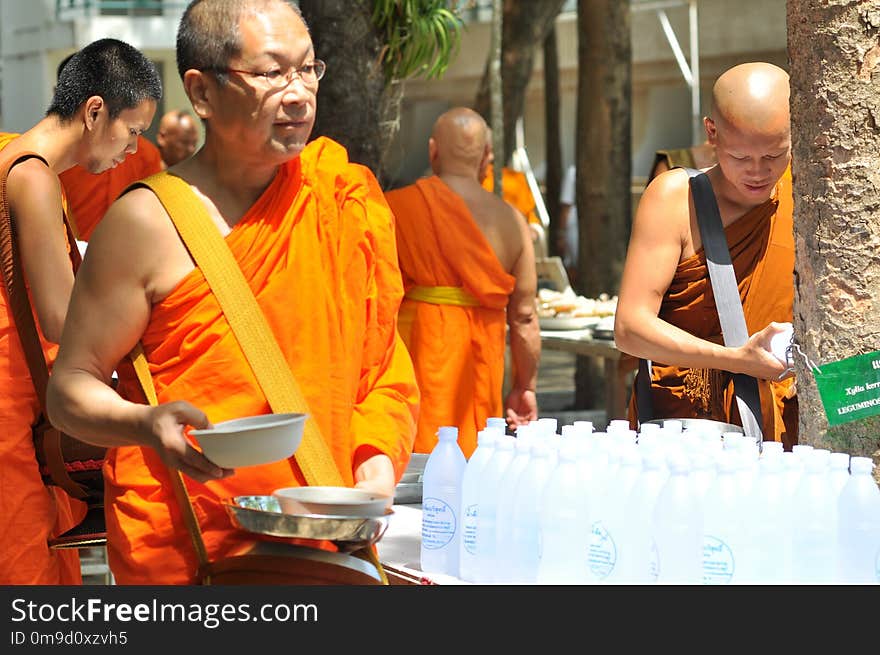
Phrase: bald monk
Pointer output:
(89, 195)
(177, 137)
(93, 120)
(468, 271)
(315, 241)
(666, 311)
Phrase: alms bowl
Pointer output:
(331, 501)
(252, 440)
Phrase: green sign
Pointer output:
(850, 388)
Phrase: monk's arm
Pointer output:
(35, 200)
(383, 422)
(108, 313)
(525, 338)
(654, 252)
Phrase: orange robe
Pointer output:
(32, 513)
(457, 351)
(762, 251)
(318, 250)
(515, 190)
(90, 196)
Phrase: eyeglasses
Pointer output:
(309, 74)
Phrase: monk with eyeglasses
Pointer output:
(314, 239)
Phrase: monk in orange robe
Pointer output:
(469, 272)
(85, 124)
(89, 196)
(515, 190)
(666, 309)
(314, 239)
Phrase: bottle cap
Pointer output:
(771, 448)
(673, 425)
(496, 422)
(447, 432)
(839, 461)
(861, 465)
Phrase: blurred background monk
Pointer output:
(469, 272)
(177, 137)
(89, 196)
(666, 310)
(96, 113)
(314, 239)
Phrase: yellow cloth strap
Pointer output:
(213, 257)
(442, 296)
(142, 369)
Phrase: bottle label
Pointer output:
(469, 528)
(877, 566)
(603, 551)
(438, 523)
(718, 561)
(653, 562)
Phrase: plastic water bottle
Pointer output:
(768, 520)
(527, 513)
(498, 423)
(441, 505)
(678, 527)
(470, 508)
(814, 531)
(563, 552)
(487, 496)
(838, 471)
(724, 523)
(504, 514)
(858, 532)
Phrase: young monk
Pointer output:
(102, 102)
(314, 239)
(469, 273)
(89, 196)
(666, 310)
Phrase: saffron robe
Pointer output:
(762, 251)
(32, 512)
(457, 351)
(515, 190)
(318, 251)
(90, 196)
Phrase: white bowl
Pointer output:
(331, 501)
(252, 440)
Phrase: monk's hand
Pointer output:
(165, 427)
(757, 358)
(374, 472)
(521, 407)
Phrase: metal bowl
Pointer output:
(701, 424)
(263, 515)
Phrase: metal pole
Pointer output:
(699, 134)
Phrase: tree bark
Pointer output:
(603, 160)
(355, 107)
(834, 49)
(553, 145)
(496, 96)
(526, 25)
(603, 154)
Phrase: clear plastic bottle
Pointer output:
(724, 522)
(858, 535)
(504, 514)
(677, 527)
(441, 505)
(768, 518)
(488, 507)
(563, 551)
(525, 543)
(470, 507)
(814, 529)
(838, 471)
(498, 423)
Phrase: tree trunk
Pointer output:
(552, 121)
(835, 100)
(355, 107)
(496, 95)
(526, 25)
(603, 160)
(603, 143)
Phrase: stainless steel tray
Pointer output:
(263, 515)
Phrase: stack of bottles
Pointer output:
(664, 505)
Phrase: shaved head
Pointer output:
(750, 131)
(177, 137)
(459, 142)
(752, 97)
